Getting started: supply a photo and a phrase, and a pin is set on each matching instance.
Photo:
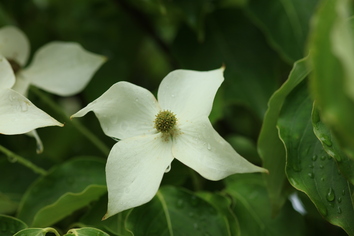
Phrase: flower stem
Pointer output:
(82, 129)
(16, 158)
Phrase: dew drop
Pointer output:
(172, 95)
(323, 158)
(296, 167)
(191, 214)
(196, 226)
(293, 181)
(209, 146)
(339, 200)
(321, 166)
(343, 192)
(314, 157)
(24, 107)
(339, 210)
(311, 166)
(180, 203)
(137, 99)
(322, 179)
(311, 175)
(337, 157)
(168, 168)
(327, 141)
(330, 195)
(322, 209)
(12, 159)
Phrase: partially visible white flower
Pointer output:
(153, 133)
(61, 68)
(18, 115)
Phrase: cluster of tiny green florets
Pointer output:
(165, 122)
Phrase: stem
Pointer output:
(82, 129)
(16, 158)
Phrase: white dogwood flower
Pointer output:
(18, 115)
(61, 68)
(153, 133)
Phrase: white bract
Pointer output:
(18, 115)
(153, 133)
(62, 68)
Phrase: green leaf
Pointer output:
(252, 209)
(11, 193)
(66, 188)
(270, 147)
(331, 47)
(230, 39)
(10, 225)
(114, 224)
(86, 232)
(37, 232)
(177, 212)
(223, 204)
(331, 146)
(285, 23)
(309, 168)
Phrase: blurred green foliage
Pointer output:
(262, 44)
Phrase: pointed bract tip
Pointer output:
(223, 67)
(105, 217)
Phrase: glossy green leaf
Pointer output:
(223, 204)
(309, 168)
(270, 147)
(37, 232)
(66, 188)
(332, 56)
(331, 146)
(10, 225)
(86, 232)
(252, 209)
(114, 224)
(252, 67)
(285, 23)
(176, 212)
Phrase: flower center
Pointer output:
(165, 122)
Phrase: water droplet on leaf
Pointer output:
(326, 140)
(311, 175)
(209, 146)
(12, 159)
(314, 157)
(330, 195)
(339, 210)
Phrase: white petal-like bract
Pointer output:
(18, 115)
(14, 44)
(201, 148)
(62, 68)
(124, 110)
(189, 94)
(7, 76)
(134, 171)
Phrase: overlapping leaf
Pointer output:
(270, 148)
(309, 168)
(66, 188)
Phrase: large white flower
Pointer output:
(153, 133)
(18, 115)
(62, 68)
